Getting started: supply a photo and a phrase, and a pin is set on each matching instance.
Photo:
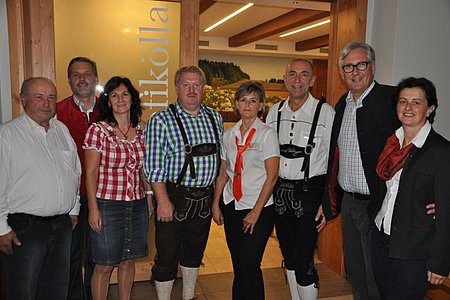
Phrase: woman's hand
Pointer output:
(248, 223)
(95, 220)
(217, 214)
(434, 278)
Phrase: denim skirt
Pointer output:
(124, 232)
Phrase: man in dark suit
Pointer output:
(365, 118)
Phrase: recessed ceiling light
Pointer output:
(305, 28)
(229, 16)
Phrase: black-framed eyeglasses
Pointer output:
(361, 66)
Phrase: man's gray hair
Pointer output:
(27, 83)
(357, 45)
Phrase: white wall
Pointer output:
(5, 81)
(411, 38)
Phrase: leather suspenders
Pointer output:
(310, 144)
(197, 150)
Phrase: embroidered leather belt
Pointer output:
(188, 189)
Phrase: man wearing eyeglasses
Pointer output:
(365, 118)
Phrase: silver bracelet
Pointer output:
(149, 192)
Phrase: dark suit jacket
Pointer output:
(425, 179)
(376, 121)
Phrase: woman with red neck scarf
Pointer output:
(248, 173)
(410, 248)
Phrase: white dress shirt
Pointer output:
(86, 110)
(295, 127)
(40, 170)
(384, 216)
(264, 145)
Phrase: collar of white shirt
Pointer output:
(420, 137)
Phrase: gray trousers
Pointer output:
(356, 236)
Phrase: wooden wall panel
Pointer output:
(348, 23)
(39, 38)
(189, 31)
(16, 51)
(31, 40)
(319, 88)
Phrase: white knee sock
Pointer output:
(164, 289)
(308, 292)
(189, 279)
(292, 284)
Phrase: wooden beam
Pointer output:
(314, 43)
(205, 4)
(294, 18)
(16, 52)
(39, 41)
(189, 32)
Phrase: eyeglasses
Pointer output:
(361, 66)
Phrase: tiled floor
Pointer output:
(218, 287)
(216, 275)
(217, 257)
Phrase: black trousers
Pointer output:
(297, 238)
(397, 279)
(183, 241)
(297, 235)
(247, 250)
(80, 285)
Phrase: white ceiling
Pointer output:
(261, 12)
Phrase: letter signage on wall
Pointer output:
(138, 39)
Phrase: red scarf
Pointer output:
(238, 166)
(392, 158)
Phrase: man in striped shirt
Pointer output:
(181, 164)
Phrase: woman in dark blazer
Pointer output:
(410, 248)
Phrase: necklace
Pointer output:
(124, 135)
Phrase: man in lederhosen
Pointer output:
(304, 126)
(181, 164)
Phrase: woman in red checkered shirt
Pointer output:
(119, 198)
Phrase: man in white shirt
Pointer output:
(304, 148)
(38, 190)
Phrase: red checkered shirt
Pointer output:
(120, 162)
